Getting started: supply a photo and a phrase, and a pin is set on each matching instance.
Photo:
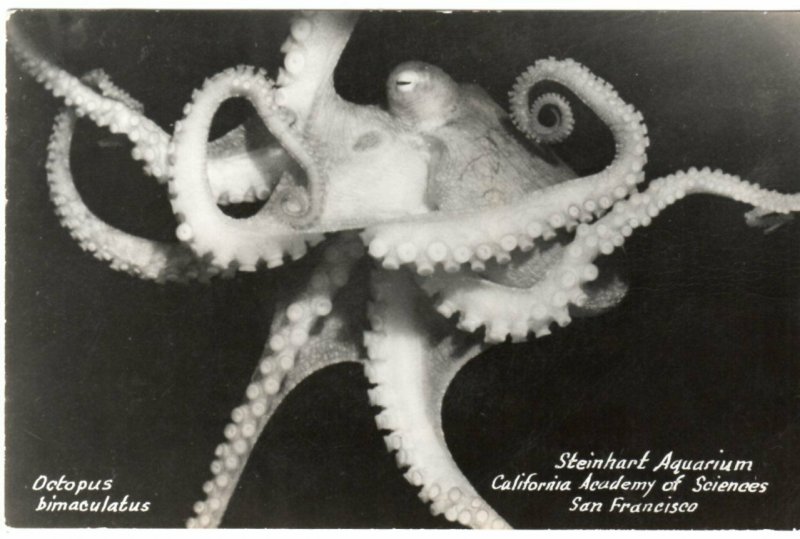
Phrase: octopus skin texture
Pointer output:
(703, 343)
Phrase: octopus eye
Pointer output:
(407, 80)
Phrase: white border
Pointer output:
(438, 5)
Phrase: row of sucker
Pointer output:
(269, 384)
(505, 311)
(123, 114)
(137, 256)
(99, 79)
(564, 119)
(399, 366)
(269, 235)
(443, 239)
(312, 50)
(113, 111)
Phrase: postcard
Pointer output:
(402, 269)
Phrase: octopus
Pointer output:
(436, 262)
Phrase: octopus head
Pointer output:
(421, 95)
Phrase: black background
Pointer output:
(111, 377)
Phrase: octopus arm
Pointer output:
(602, 295)
(138, 256)
(241, 165)
(103, 106)
(309, 335)
(270, 234)
(411, 370)
(512, 311)
(305, 86)
(443, 239)
(312, 50)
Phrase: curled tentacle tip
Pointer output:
(551, 119)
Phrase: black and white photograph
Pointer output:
(402, 269)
